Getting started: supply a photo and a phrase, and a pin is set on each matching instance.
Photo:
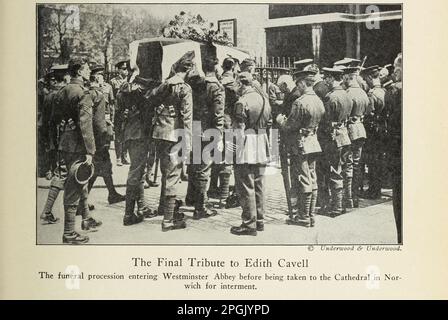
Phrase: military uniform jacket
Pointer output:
(337, 110)
(231, 97)
(208, 104)
(360, 106)
(290, 98)
(109, 98)
(302, 123)
(393, 103)
(376, 114)
(321, 89)
(116, 84)
(175, 110)
(75, 102)
(137, 123)
(252, 114)
(99, 117)
(48, 118)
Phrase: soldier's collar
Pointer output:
(175, 80)
(77, 81)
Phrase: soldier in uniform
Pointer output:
(136, 137)
(335, 141)
(300, 128)
(353, 63)
(57, 82)
(103, 134)
(58, 171)
(173, 99)
(208, 111)
(393, 102)
(77, 144)
(356, 132)
(375, 124)
(221, 171)
(251, 117)
(119, 114)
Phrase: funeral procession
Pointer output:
(210, 124)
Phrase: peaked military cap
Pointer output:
(301, 64)
(59, 67)
(76, 63)
(304, 74)
(370, 70)
(348, 62)
(332, 71)
(122, 64)
(246, 63)
(96, 68)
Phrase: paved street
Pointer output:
(372, 223)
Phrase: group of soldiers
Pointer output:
(325, 117)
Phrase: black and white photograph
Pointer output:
(219, 124)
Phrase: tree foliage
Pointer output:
(99, 32)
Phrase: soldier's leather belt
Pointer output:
(355, 119)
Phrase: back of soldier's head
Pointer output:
(228, 64)
(75, 64)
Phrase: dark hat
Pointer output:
(370, 70)
(247, 63)
(245, 76)
(229, 61)
(60, 68)
(348, 62)
(96, 68)
(350, 70)
(332, 71)
(122, 64)
(76, 63)
(82, 171)
(304, 74)
(301, 64)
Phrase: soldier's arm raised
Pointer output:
(86, 122)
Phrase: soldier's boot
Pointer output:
(314, 196)
(302, 217)
(142, 208)
(114, 196)
(348, 198)
(336, 207)
(130, 217)
(200, 210)
(70, 236)
(170, 221)
(47, 216)
(88, 223)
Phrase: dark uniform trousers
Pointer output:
(251, 188)
(355, 165)
(138, 152)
